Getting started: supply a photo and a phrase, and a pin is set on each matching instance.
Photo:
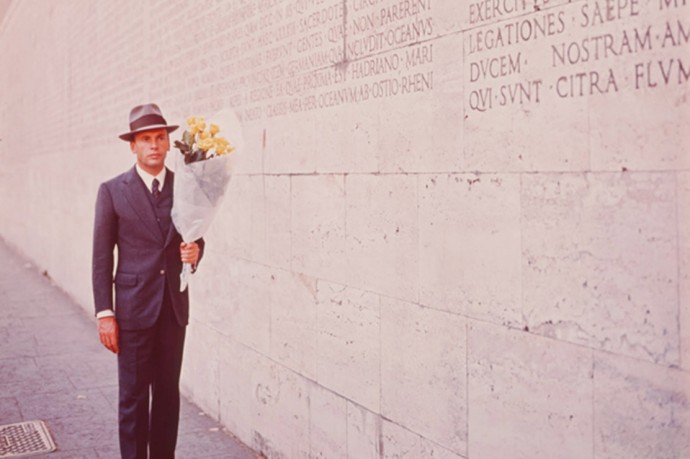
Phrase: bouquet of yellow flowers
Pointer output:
(202, 174)
(199, 144)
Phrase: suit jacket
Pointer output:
(148, 252)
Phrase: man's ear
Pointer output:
(131, 145)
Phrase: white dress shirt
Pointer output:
(148, 178)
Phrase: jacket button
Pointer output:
(162, 271)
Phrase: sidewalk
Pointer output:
(53, 368)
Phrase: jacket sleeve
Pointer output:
(104, 240)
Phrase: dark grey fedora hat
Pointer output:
(144, 118)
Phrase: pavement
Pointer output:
(53, 368)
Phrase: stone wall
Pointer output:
(459, 229)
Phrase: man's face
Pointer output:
(151, 148)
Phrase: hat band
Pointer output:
(147, 120)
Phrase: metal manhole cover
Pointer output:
(25, 438)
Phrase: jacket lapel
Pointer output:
(134, 193)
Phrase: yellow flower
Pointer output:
(219, 142)
(206, 144)
(222, 146)
(206, 140)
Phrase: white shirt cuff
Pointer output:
(105, 313)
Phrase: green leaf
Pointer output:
(188, 138)
(183, 147)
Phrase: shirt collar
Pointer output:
(148, 178)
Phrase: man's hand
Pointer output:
(189, 253)
(108, 333)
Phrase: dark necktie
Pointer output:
(155, 191)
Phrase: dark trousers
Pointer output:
(150, 360)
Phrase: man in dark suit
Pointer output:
(146, 326)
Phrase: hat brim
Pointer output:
(129, 136)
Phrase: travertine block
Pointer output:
(375, 27)
(651, 77)
(232, 295)
(238, 402)
(387, 66)
(213, 291)
(240, 225)
(641, 410)
(474, 14)
(327, 424)
(348, 355)
(683, 184)
(200, 377)
(398, 442)
(283, 410)
(352, 141)
(428, 138)
(291, 150)
(318, 226)
(278, 226)
(510, 80)
(529, 396)
(363, 433)
(469, 231)
(423, 371)
(266, 401)
(293, 299)
(600, 261)
(382, 234)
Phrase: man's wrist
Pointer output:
(105, 313)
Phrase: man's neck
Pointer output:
(149, 170)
